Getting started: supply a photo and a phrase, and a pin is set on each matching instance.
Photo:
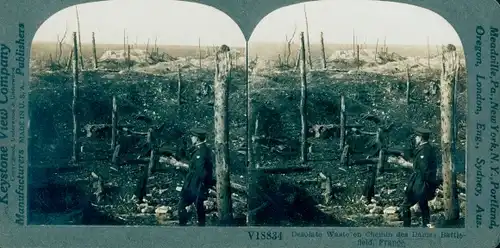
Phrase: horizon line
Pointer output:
(254, 43)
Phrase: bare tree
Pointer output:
(79, 38)
(222, 76)
(428, 53)
(308, 42)
(323, 55)
(448, 69)
(124, 42)
(94, 51)
(303, 99)
(60, 42)
(75, 157)
(289, 45)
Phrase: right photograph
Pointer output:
(357, 117)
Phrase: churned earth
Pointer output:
(62, 193)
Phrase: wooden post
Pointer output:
(376, 51)
(199, 50)
(94, 50)
(114, 124)
(448, 70)
(308, 42)
(323, 50)
(79, 38)
(222, 70)
(76, 149)
(129, 64)
(179, 85)
(303, 99)
(358, 62)
(342, 122)
(408, 84)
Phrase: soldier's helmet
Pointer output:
(198, 132)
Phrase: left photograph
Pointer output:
(129, 116)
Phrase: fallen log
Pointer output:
(284, 170)
(365, 161)
(169, 161)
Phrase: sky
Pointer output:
(184, 23)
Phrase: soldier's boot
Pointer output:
(426, 216)
(200, 212)
(406, 217)
(183, 216)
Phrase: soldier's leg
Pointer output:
(426, 215)
(369, 188)
(142, 184)
(183, 203)
(405, 211)
(200, 212)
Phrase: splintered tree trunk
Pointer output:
(353, 43)
(199, 50)
(114, 124)
(129, 64)
(70, 60)
(303, 99)
(94, 51)
(124, 43)
(376, 51)
(147, 47)
(297, 61)
(428, 53)
(222, 70)
(323, 50)
(342, 123)
(358, 62)
(252, 182)
(179, 85)
(408, 84)
(308, 42)
(448, 68)
(79, 38)
(75, 99)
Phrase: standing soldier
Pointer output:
(422, 184)
(198, 180)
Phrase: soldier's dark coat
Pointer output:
(200, 176)
(422, 183)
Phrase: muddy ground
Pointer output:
(62, 193)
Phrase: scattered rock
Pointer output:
(415, 209)
(436, 204)
(391, 217)
(209, 205)
(148, 210)
(377, 210)
(391, 210)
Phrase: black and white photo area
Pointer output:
(123, 113)
(145, 117)
(359, 115)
